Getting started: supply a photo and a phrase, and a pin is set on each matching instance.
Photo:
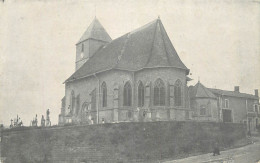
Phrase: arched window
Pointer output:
(127, 94)
(104, 94)
(72, 101)
(140, 95)
(177, 93)
(159, 93)
(77, 103)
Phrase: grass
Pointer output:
(127, 142)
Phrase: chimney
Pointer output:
(256, 92)
(236, 89)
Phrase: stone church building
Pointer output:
(136, 77)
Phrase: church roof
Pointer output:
(200, 91)
(95, 31)
(145, 47)
(233, 94)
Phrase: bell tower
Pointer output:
(94, 38)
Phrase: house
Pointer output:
(237, 107)
(203, 103)
(216, 105)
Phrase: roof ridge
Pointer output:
(152, 45)
(231, 91)
(167, 54)
(171, 46)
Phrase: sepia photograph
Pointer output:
(129, 81)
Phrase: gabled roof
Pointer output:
(200, 91)
(95, 31)
(233, 94)
(146, 47)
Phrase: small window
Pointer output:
(202, 110)
(226, 103)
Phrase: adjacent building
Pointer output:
(237, 107)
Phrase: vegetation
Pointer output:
(122, 142)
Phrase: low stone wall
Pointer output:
(122, 142)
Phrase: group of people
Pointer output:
(16, 122)
(44, 122)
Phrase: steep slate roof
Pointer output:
(200, 91)
(95, 31)
(145, 47)
(233, 94)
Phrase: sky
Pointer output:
(218, 40)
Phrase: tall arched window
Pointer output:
(177, 93)
(104, 94)
(140, 95)
(127, 94)
(72, 101)
(159, 93)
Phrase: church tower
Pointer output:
(93, 39)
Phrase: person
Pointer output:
(48, 122)
(48, 113)
(216, 149)
(36, 121)
(42, 121)
(11, 125)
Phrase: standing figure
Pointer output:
(48, 122)
(42, 121)
(11, 125)
(17, 120)
(36, 121)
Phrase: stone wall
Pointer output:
(121, 142)
(116, 79)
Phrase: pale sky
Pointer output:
(218, 40)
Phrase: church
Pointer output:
(140, 77)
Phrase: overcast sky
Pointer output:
(217, 40)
